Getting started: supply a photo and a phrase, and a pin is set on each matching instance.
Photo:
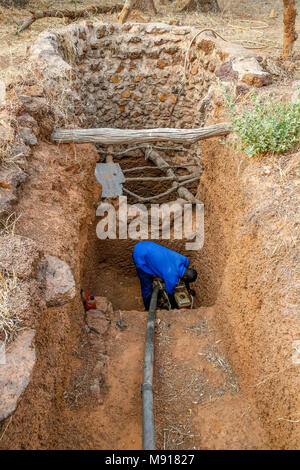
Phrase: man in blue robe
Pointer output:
(152, 259)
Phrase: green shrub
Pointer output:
(264, 126)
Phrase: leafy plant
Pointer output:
(265, 126)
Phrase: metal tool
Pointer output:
(111, 177)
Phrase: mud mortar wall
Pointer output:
(132, 75)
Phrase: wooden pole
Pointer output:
(72, 14)
(108, 136)
(129, 5)
(176, 187)
(289, 21)
(183, 192)
(164, 178)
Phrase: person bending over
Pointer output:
(152, 259)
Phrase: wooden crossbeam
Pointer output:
(109, 136)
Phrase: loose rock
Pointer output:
(60, 286)
(15, 373)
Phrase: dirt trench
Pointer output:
(216, 383)
(198, 401)
(224, 376)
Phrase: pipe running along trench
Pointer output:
(147, 386)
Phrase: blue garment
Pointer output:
(157, 260)
(146, 286)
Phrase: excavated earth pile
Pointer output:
(226, 372)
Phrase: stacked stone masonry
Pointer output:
(132, 75)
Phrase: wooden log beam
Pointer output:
(176, 187)
(139, 168)
(72, 14)
(158, 161)
(108, 136)
(164, 178)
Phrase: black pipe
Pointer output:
(147, 386)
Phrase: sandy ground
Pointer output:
(198, 400)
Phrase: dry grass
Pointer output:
(5, 152)
(201, 327)
(9, 320)
(8, 226)
(239, 21)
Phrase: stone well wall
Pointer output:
(133, 75)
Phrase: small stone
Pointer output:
(104, 305)
(266, 171)
(250, 72)
(138, 79)
(7, 202)
(162, 63)
(12, 178)
(28, 136)
(226, 72)
(60, 286)
(125, 94)
(15, 373)
(101, 32)
(20, 150)
(115, 79)
(257, 80)
(34, 105)
(162, 98)
(28, 121)
(242, 88)
(95, 319)
(194, 69)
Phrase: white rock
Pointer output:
(60, 286)
(15, 373)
